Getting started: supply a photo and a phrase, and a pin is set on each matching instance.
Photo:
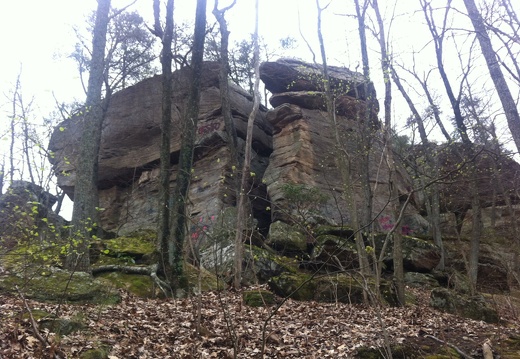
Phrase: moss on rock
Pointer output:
(139, 245)
(335, 252)
(267, 264)
(326, 288)
(338, 231)
(208, 280)
(97, 353)
(139, 285)
(469, 307)
(258, 298)
(57, 285)
(408, 351)
(287, 239)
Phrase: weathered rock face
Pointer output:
(288, 74)
(304, 142)
(130, 147)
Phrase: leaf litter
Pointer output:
(168, 328)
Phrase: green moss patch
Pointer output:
(139, 285)
(327, 288)
(208, 280)
(469, 307)
(98, 353)
(57, 285)
(287, 239)
(258, 298)
(139, 245)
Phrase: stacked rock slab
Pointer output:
(305, 145)
(130, 149)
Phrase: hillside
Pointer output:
(153, 328)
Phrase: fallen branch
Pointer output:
(460, 352)
(35, 329)
(148, 270)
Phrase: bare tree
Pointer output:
(165, 35)
(85, 213)
(507, 100)
(129, 51)
(468, 152)
(389, 148)
(242, 206)
(432, 193)
(224, 81)
(189, 126)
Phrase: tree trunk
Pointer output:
(366, 128)
(476, 233)
(224, 83)
(344, 163)
(85, 214)
(397, 236)
(507, 100)
(179, 220)
(165, 169)
(243, 212)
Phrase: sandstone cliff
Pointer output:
(305, 150)
(129, 154)
(293, 143)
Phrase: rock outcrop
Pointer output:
(305, 145)
(26, 215)
(129, 154)
(469, 307)
(294, 143)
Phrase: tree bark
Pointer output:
(224, 82)
(507, 100)
(85, 214)
(366, 128)
(179, 220)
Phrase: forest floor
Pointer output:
(166, 328)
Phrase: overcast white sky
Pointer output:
(37, 36)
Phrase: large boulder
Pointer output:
(419, 255)
(130, 146)
(54, 285)
(288, 74)
(335, 248)
(286, 239)
(335, 253)
(341, 288)
(26, 215)
(469, 307)
(496, 178)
